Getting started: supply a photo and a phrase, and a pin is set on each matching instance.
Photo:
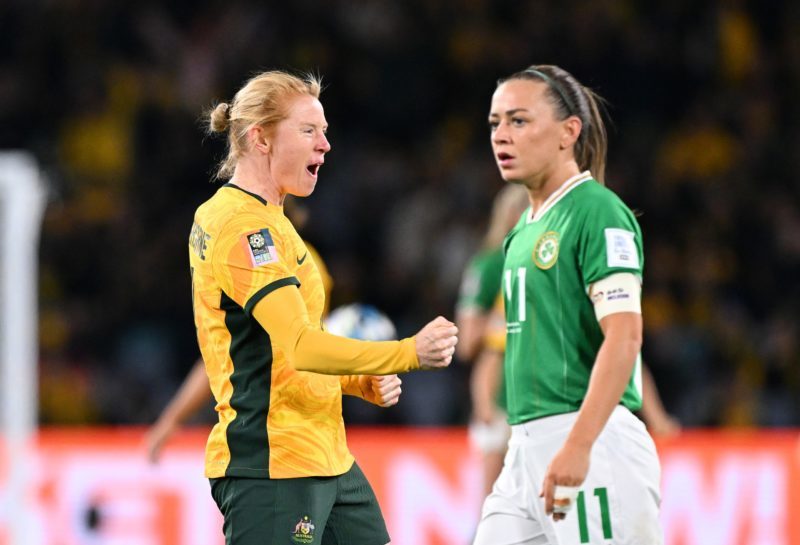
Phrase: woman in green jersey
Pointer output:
(572, 287)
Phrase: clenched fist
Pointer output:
(436, 343)
(381, 390)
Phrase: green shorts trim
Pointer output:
(341, 510)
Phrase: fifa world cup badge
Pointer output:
(260, 247)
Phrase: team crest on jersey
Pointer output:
(260, 247)
(303, 531)
(545, 252)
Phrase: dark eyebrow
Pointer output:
(509, 112)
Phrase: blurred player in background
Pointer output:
(572, 292)
(482, 342)
(278, 461)
(195, 393)
(658, 421)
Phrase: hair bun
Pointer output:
(220, 117)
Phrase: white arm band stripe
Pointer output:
(620, 292)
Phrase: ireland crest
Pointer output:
(545, 252)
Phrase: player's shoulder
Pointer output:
(233, 210)
(486, 258)
(592, 190)
(316, 257)
(592, 197)
(312, 250)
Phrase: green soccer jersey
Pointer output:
(480, 287)
(481, 282)
(582, 234)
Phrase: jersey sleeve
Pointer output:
(309, 348)
(481, 281)
(351, 386)
(252, 259)
(610, 241)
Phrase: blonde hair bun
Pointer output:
(220, 121)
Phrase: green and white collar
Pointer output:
(558, 194)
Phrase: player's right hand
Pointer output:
(155, 439)
(436, 343)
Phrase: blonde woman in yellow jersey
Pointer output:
(278, 460)
(194, 393)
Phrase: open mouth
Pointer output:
(503, 156)
(313, 168)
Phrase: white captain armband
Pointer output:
(620, 292)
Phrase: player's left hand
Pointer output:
(156, 438)
(566, 472)
(382, 390)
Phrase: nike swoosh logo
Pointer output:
(300, 260)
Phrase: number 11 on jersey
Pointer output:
(509, 291)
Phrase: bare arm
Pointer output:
(193, 394)
(610, 375)
(484, 383)
(655, 416)
(471, 325)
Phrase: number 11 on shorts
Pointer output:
(605, 516)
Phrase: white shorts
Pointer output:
(618, 502)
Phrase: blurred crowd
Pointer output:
(109, 97)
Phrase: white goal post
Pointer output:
(22, 202)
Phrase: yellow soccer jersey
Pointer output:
(495, 336)
(274, 421)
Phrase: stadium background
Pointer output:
(108, 97)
